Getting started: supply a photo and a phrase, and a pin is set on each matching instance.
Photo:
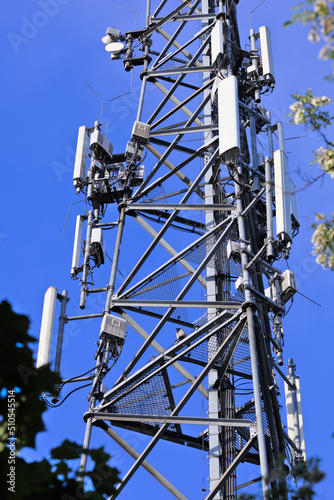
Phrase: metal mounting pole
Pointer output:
(83, 293)
(269, 209)
(249, 308)
(64, 299)
(111, 286)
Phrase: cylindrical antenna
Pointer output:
(45, 336)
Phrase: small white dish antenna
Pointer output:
(114, 47)
(106, 39)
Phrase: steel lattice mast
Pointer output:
(223, 194)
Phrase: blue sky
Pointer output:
(47, 54)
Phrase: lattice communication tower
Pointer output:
(204, 292)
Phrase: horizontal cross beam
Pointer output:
(223, 422)
(202, 304)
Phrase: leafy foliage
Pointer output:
(299, 484)
(18, 370)
(308, 110)
(319, 15)
(55, 478)
(323, 240)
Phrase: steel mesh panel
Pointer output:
(164, 274)
(219, 261)
(164, 286)
(150, 398)
(250, 415)
(241, 442)
(207, 349)
(157, 195)
(240, 361)
(201, 320)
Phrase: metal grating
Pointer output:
(241, 442)
(150, 398)
(196, 255)
(250, 415)
(240, 362)
(164, 286)
(157, 195)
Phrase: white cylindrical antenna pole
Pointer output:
(281, 139)
(76, 246)
(45, 337)
(269, 209)
(292, 378)
(61, 327)
(81, 158)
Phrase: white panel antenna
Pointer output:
(80, 158)
(281, 136)
(300, 418)
(45, 336)
(76, 246)
(228, 111)
(282, 196)
(290, 419)
(217, 42)
(270, 292)
(267, 54)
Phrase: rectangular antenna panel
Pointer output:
(270, 293)
(133, 152)
(294, 202)
(102, 146)
(267, 54)
(113, 32)
(289, 413)
(228, 110)
(140, 132)
(217, 41)
(232, 250)
(138, 175)
(289, 285)
(97, 242)
(113, 328)
(282, 196)
(81, 158)
(45, 336)
(76, 246)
